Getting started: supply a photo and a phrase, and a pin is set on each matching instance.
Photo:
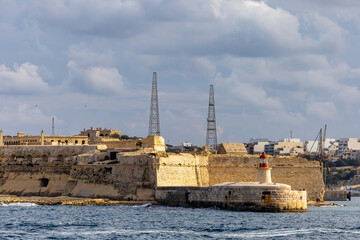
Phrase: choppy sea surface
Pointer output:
(29, 221)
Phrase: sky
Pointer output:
(276, 66)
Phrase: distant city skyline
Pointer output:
(276, 66)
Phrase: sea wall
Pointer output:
(182, 169)
(206, 170)
(336, 195)
(135, 175)
(236, 196)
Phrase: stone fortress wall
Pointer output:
(201, 170)
(132, 179)
(44, 154)
(81, 171)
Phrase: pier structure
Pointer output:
(260, 196)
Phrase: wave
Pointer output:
(18, 204)
(143, 205)
(331, 206)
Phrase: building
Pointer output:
(270, 148)
(99, 135)
(288, 148)
(292, 140)
(346, 145)
(22, 139)
(312, 146)
(354, 154)
(257, 145)
(186, 147)
(186, 144)
(232, 148)
(285, 146)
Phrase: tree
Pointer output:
(115, 135)
(124, 137)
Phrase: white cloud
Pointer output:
(85, 56)
(322, 110)
(97, 79)
(330, 35)
(90, 17)
(24, 78)
(277, 61)
(23, 117)
(216, 27)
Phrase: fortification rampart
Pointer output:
(124, 144)
(135, 175)
(132, 179)
(202, 170)
(43, 154)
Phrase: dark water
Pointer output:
(25, 221)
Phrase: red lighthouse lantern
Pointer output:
(264, 160)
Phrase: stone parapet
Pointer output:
(203, 170)
(236, 196)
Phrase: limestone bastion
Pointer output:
(97, 171)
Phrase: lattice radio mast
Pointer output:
(53, 127)
(154, 122)
(211, 138)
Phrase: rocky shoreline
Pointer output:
(320, 204)
(63, 200)
(73, 201)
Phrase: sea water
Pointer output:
(29, 221)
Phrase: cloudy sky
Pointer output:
(276, 66)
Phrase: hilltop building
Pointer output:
(346, 146)
(101, 135)
(90, 136)
(285, 146)
(42, 139)
(257, 145)
(312, 146)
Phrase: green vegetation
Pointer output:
(115, 135)
(344, 163)
(124, 137)
(341, 175)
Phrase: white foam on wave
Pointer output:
(242, 235)
(332, 206)
(143, 205)
(284, 233)
(18, 204)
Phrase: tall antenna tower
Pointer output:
(154, 122)
(53, 127)
(211, 138)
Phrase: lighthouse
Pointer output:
(264, 172)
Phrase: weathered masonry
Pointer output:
(206, 170)
(90, 171)
(262, 195)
